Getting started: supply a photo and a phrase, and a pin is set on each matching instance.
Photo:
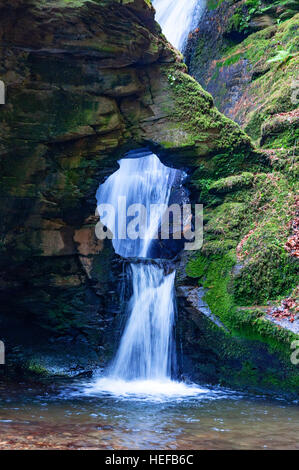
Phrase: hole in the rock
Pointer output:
(133, 201)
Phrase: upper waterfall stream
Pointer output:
(145, 359)
(178, 18)
(141, 179)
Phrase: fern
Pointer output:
(282, 56)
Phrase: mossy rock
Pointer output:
(281, 130)
(248, 84)
(232, 183)
(260, 270)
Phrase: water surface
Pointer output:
(66, 417)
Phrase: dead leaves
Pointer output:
(292, 245)
(240, 253)
(287, 310)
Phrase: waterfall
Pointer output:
(177, 18)
(146, 354)
(141, 179)
(145, 349)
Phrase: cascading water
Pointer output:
(145, 357)
(139, 180)
(177, 18)
(145, 350)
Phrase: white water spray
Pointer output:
(142, 179)
(177, 18)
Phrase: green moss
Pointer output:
(195, 113)
(269, 91)
(272, 273)
(35, 368)
(255, 122)
(197, 267)
(226, 220)
(286, 138)
(237, 22)
(224, 165)
(253, 325)
(217, 278)
(213, 4)
(234, 58)
(232, 183)
(240, 21)
(268, 272)
(218, 247)
(244, 200)
(214, 274)
(236, 361)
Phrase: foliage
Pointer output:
(240, 21)
(247, 258)
(283, 56)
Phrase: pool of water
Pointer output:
(88, 416)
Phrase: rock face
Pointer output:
(245, 53)
(85, 82)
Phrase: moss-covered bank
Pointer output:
(249, 66)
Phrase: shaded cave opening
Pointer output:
(143, 179)
(165, 243)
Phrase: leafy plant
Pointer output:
(282, 56)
